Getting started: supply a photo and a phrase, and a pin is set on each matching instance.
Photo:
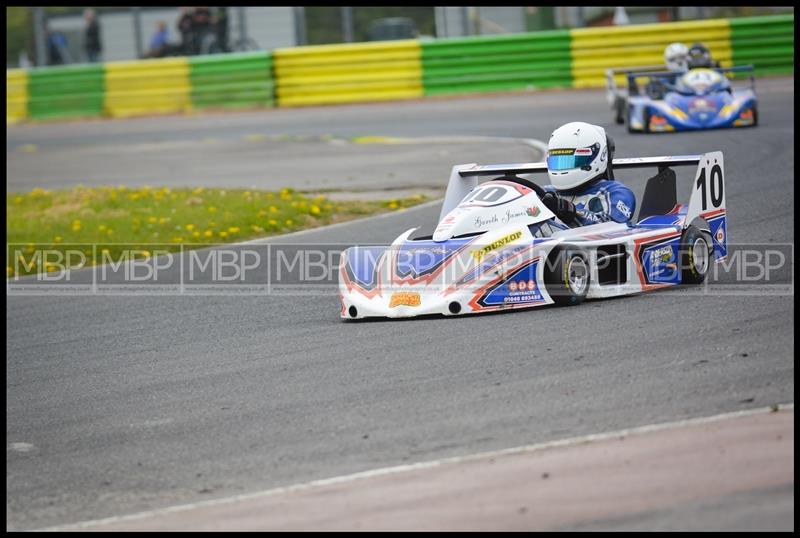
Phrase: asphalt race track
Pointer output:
(118, 404)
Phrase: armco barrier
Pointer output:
(326, 74)
(596, 49)
(531, 60)
(147, 87)
(232, 80)
(16, 95)
(765, 42)
(66, 92)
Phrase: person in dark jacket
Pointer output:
(186, 30)
(92, 43)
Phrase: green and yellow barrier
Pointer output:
(66, 92)
(136, 88)
(232, 80)
(765, 42)
(596, 49)
(506, 62)
(327, 74)
(387, 70)
(16, 95)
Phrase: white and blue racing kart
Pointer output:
(498, 247)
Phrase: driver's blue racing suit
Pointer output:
(602, 201)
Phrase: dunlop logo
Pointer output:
(478, 254)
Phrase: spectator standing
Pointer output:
(57, 52)
(92, 43)
(201, 26)
(159, 43)
(186, 29)
(221, 26)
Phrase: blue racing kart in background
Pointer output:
(701, 98)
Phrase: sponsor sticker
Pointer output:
(533, 211)
(720, 235)
(404, 298)
(522, 285)
(480, 253)
(624, 209)
(512, 287)
(568, 151)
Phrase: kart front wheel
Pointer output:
(696, 256)
(567, 276)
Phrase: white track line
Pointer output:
(572, 441)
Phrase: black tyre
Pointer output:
(696, 255)
(628, 120)
(567, 276)
(619, 110)
(646, 120)
(755, 115)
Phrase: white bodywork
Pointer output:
(499, 266)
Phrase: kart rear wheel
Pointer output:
(696, 256)
(755, 115)
(619, 110)
(646, 120)
(567, 276)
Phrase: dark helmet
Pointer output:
(699, 56)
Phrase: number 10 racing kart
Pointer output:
(498, 247)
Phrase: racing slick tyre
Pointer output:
(567, 276)
(696, 255)
(628, 121)
(755, 115)
(646, 120)
(619, 110)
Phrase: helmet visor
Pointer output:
(567, 159)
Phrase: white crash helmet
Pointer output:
(578, 153)
(676, 56)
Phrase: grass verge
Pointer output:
(121, 218)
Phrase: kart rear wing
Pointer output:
(612, 90)
(707, 200)
(632, 75)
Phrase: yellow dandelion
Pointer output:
(163, 220)
(190, 227)
(315, 210)
(152, 220)
(289, 222)
(18, 200)
(234, 229)
(101, 228)
(196, 234)
(223, 234)
(76, 225)
(261, 214)
(393, 205)
(208, 233)
(212, 209)
(273, 209)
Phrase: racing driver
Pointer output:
(583, 189)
